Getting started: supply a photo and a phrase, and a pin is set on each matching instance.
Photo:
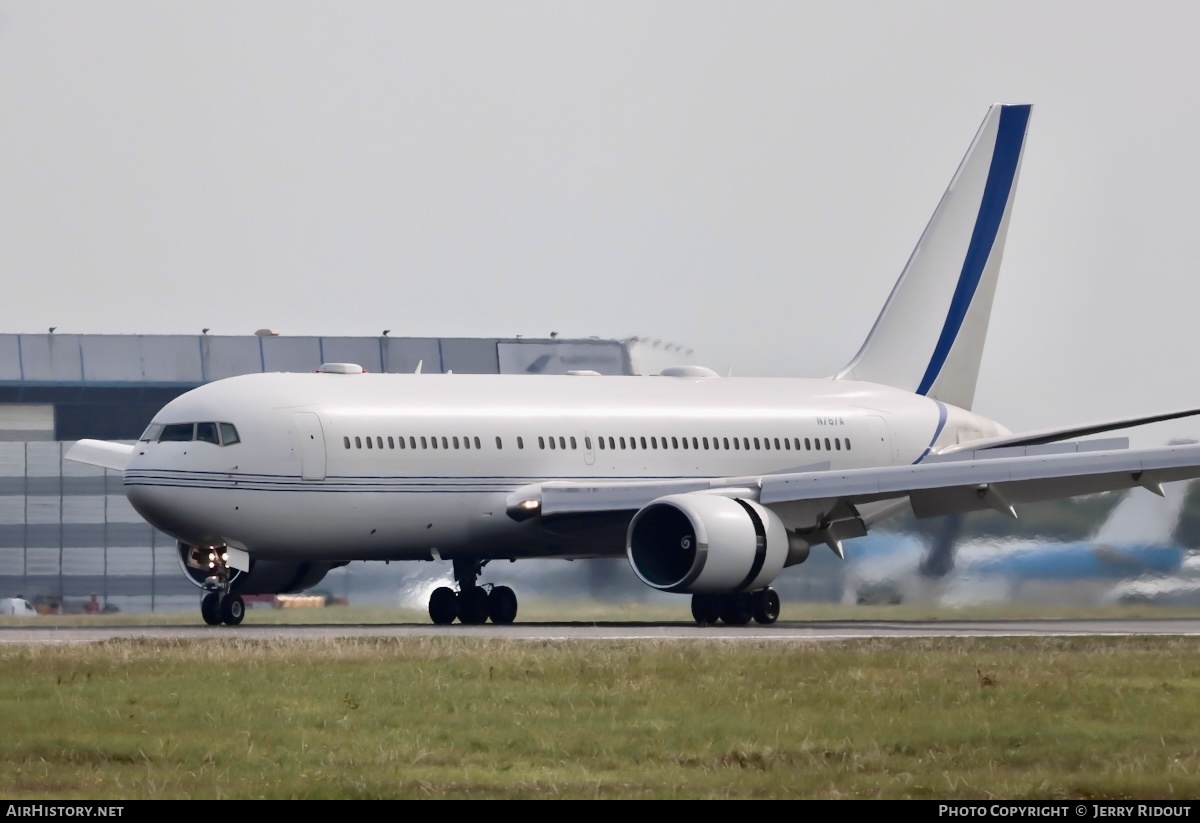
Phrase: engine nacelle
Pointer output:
(264, 577)
(706, 543)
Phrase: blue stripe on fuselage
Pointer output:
(1010, 136)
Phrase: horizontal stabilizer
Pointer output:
(102, 453)
(1044, 436)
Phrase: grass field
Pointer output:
(458, 717)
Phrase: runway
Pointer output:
(815, 631)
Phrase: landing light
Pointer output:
(529, 505)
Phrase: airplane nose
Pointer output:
(168, 509)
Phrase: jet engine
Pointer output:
(705, 543)
(264, 577)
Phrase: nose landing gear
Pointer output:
(219, 605)
(472, 604)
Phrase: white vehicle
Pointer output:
(15, 606)
(709, 485)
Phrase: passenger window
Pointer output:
(445, 443)
(520, 442)
(756, 446)
(552, 443)
(455, 441)
(391, 442)
(684, 441)
(612, 444)
(541, 442)
(746, 443)
(674, 442)
(562, 442)
(587, 442)
(357, 442)
(600, 440)
(837, 443)
(787, 445)
(654, 442)
(725, 442)
(736, 444)
(379, 441)
(643, 442)
(817, 441)
(622, 443)
(797, 441)
(847, 444)
(573, 445)
(633, 442)
(807, 447)
(177, 433)
(499, 444)
(400, 441)
(776, 444)
(153, 431)
(706, 443)
(767, 443)
(412, 442)
(466, 442)
(370, 444)
(826, 444)
(346, 440)
(477, 443)
(695, 442)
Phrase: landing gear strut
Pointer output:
(218, 605)
(472, 604)
(738, 609)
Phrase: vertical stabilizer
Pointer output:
(929, 336)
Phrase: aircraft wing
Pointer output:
(941, 485)
(103, 453)
(1055, 435)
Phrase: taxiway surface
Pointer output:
(789, 631)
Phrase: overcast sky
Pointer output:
(744, 178)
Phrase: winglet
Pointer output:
(102, 453)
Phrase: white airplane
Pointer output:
(709, 485)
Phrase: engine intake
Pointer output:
(264, 577)
(706, 543)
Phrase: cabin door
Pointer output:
(311, 445)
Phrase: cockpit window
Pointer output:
(177, 433)
(219, 434)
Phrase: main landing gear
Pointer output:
(472, 604)
(761, 606)
(219, 605)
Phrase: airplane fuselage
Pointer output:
(399, 466)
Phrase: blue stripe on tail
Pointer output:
(1009, 138)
